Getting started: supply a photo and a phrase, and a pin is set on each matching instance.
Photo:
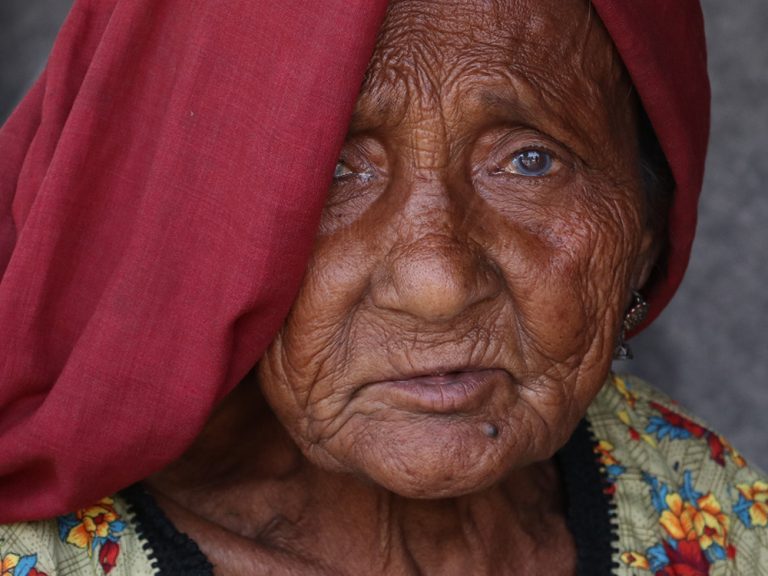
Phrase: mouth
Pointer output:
(440, 392)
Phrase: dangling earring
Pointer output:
(635, 314)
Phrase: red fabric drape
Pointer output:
(159, 192)
(662, 45)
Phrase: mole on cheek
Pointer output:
(490, 430)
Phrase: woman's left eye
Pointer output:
(531, 163)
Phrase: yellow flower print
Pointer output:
(625, 419)
(635, 560)
(678, 519)
(8, 563)
(96, 529)
(735, 455)
(605, 451)
(704, 521)
(757, 496)
(19, 565)
(622, 388)
(710, 522)
(737, 458)
(94, 522)
(697, 529)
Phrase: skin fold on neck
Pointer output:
(246, 495)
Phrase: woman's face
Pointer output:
(484, 230)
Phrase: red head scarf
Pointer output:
(160, 188)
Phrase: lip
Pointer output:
(454, 392)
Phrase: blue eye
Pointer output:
(342, 171)
(531, 163)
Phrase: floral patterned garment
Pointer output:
(97, 540)
(683, 502)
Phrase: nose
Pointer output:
(435, 277)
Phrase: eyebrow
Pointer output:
(377, 111)
(505, 105)
(512, 109)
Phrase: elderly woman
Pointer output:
(438, 400)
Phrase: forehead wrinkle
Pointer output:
(427, 50)
(420, 32)
(575, 80)
(573, 104)
(406, 62)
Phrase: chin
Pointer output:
(428, 458)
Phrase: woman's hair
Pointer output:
(659, 185)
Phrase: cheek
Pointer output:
(565, 268)
(316, 342)
(568, 266)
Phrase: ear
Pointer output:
(648, 255)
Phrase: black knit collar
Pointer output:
(590, 517)
(171, 552)
(591, 510)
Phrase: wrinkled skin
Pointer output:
(438, 254)
(433, 256)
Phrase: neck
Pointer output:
(249, 498)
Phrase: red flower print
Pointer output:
(716, 448)
(686, 560)
(12, 564)
(108, 555)
(97, 529)
(679, 421)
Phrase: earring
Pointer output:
(635, 314)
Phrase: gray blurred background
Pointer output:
(709, 350)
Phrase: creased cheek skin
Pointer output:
(435, 259)
(551, 336)
(573, 310)
(554, 335)
(295, 382)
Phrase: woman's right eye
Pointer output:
(342, 171)
(345, 171)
